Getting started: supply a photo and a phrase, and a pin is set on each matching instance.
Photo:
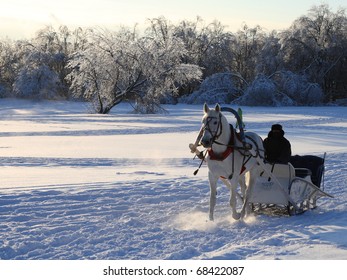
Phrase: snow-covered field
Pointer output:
(76, 185)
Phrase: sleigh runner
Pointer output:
(277, 188)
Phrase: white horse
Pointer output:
(229, 158)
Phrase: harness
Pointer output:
(231, 147)
(227, 152)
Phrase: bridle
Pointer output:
(216, 133)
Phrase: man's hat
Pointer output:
(276, 127)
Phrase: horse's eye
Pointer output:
(215, 122)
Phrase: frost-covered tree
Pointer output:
(38, 82)
(283, 88)
(92, 73)
(261, 92)
(58, 45)
(298, 88)
(218, 88)
(204, 44)
(316, 45)
(269, 59)
(8, 66)
(35, 79)
(36, 68)
(121, 65)
(245, 49)
(167, 60)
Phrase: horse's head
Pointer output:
(211, 125)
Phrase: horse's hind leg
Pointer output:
(233, 202)
(213, 193)
(246, 209)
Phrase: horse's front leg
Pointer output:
(232, 185)
(213, 193)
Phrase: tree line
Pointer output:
(305, 64)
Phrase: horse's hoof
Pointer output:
(236, 216)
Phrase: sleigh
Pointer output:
(289, 188)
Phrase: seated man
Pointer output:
(277, 147)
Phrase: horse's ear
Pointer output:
(206, 109)
(217, 108)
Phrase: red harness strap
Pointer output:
(222, 156)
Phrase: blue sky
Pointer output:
(22, 18)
